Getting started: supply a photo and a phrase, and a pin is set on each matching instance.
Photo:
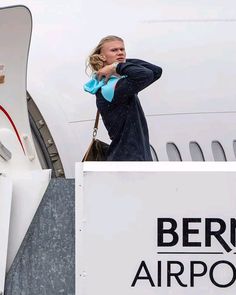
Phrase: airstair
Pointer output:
(44, 263)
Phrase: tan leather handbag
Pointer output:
(97, 149)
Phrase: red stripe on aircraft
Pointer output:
(13, 125)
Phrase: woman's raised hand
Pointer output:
(106, 72)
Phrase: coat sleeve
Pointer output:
(138, 75)
(157, 71)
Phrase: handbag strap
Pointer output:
(95, 128)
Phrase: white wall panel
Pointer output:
(117, 211)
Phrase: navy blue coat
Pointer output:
(123, 117)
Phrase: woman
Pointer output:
(116, 83)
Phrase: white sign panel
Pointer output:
(156, 232)
(5, 209)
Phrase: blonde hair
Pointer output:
(95, 61)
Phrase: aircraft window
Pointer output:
(218, 151)
(173, 152)
(234, 146)
(196, 151)
(153, 153)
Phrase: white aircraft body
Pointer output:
(190, 110)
